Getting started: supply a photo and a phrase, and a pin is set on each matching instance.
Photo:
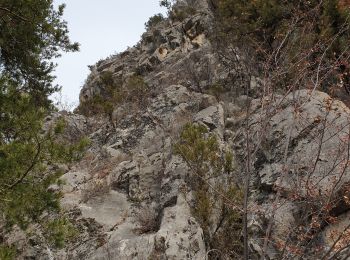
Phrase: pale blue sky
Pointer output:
(102, 27)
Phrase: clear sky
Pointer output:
(102, 28)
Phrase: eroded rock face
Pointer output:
(142, 172)
(291, 139)
(129, 197)
(300, 168)
(179, 237)
(172, 52)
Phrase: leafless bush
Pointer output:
(199, 69)
(94, 188)
(62, 103)
(147, 220)
(288, 65)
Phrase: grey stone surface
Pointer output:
(300, 142)
(131, 166)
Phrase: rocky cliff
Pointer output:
(131, 198)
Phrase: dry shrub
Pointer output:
(99, 185)
(95, 188)
(106, 164)
(115, 93)
(147, 220)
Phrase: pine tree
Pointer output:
(32, 33)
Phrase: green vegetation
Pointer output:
(179, 10)
(114, 93)
(201, 152)
(166, 3)
(216, 90)
(32, 33)
(266, 21)
(104, 102)
(27, 157)
(7, 253)
(59, 231)
(153, 21)
(293, 41)
(136, 90)
(180, 13)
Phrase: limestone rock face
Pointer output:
(129, 198)
(163, 51)
(131, 173)
(135, 163)
(151, 174)
(300, 166)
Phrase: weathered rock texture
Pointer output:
(300, 171)
(128, 196)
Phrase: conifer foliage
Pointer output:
(32, 33)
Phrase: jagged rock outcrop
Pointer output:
(139, 166)
(129, 197)
(142, 167)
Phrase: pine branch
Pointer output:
(13, 14)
